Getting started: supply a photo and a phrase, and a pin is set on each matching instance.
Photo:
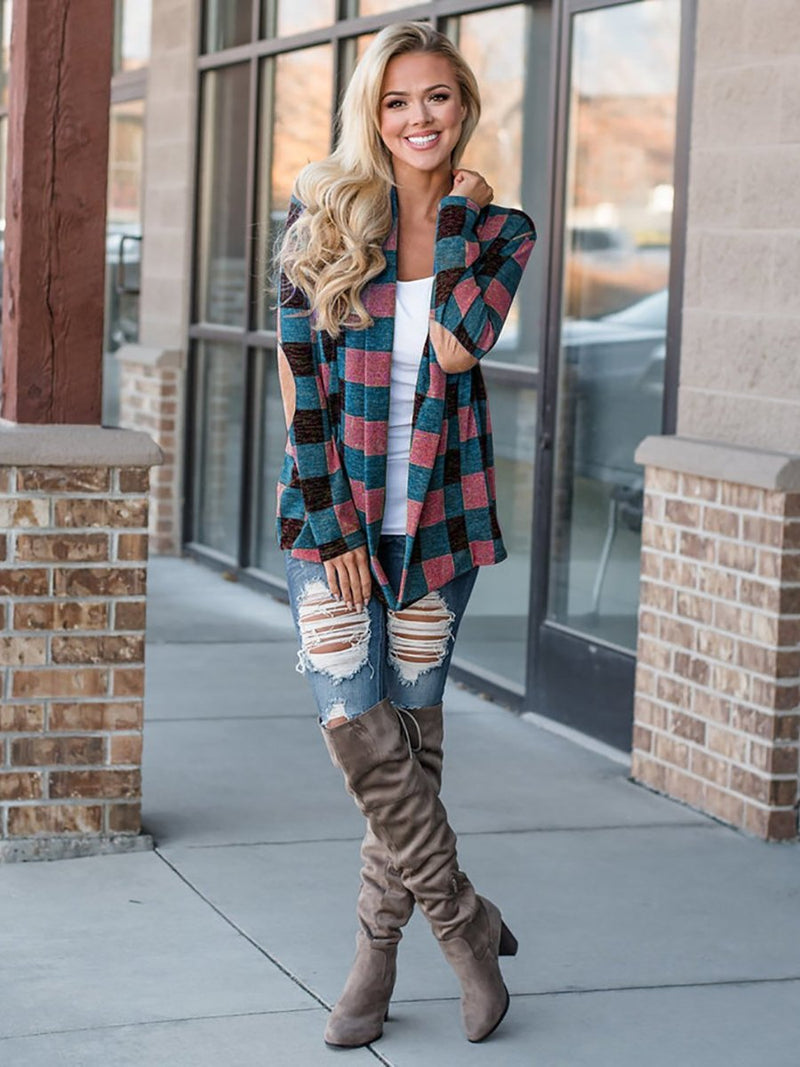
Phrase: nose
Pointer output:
(420, 112)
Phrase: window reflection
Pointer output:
(219, 403)
(132, 34)
(269, 555)
(379, 7)
(301, 133)
(6, 9)
(623, 88)
(222, 283)
(123, 243)
(493, 634)
(227, 23)
(498, 45)
(298, 16)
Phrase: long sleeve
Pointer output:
(329, 506)
(476, 279)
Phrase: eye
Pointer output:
(394, 104)
(439, 97)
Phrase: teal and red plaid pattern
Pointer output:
(332, 484)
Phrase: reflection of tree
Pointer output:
(493, 43)
(299, 16)
(303, 98)
(624, 146)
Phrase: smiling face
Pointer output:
(420, 111)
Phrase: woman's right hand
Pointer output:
(470, 183)
(349, 577)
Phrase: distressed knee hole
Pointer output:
(334, 715)
(334, 638)
(419, 636)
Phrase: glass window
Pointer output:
(494, 632)
(123, 243)
(222, 222)
(269, 556)
(299, 16)
(132, 34)
(380, 7)
(301, 133)
(514, 97)
(6, 10)
(219, 408)
(227, 23)
(618, 216)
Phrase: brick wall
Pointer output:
(151, 400)
(717, 705)
(73, 552)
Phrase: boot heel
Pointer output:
(508, 943)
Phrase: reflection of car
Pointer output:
(600, 243)
(618, 366)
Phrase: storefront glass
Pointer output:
(300, 128)
(227, 23)
(300, 16)
(220, 392)
(222, 213)
(624, 71)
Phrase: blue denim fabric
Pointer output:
(377, 677)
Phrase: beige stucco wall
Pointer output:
(169, 174)
(740, 354)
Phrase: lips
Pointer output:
(421, 141)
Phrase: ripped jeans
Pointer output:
(353, 659)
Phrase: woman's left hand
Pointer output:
(470, 183)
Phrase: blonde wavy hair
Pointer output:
(335, 246)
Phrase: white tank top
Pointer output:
(410, 333)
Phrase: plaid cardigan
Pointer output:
(332, 485)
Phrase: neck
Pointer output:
(419, 192)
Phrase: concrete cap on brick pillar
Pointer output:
(31, 445)
(731, 463)
(150, 356)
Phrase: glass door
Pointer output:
(606, 366)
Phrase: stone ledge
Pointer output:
(777, 471)
(59, 847)
(151, 357)
(32, 445)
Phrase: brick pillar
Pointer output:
(73, 552)
(151, 399)
(717, 706)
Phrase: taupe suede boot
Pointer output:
(402, 807)
(384, 907)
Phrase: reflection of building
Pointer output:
(594, 112)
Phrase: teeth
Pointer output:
(424, 140)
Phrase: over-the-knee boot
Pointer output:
(384, 907)
(405, 813)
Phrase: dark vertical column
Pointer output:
(53, 285)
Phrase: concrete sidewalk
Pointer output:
(648, 933)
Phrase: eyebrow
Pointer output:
(402, 92)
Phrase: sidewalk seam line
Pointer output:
(462, 833)
(259, 948)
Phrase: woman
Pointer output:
(397, 275)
